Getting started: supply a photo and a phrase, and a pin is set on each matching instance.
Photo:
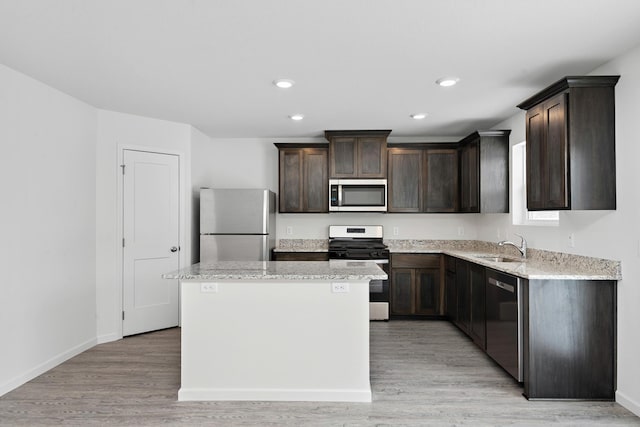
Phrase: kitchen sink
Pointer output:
(494, 258)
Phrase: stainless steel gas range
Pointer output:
(359, 243)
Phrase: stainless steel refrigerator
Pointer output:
(237, 224)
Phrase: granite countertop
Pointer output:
(281, 270)
(539, 265)
(534, 269)
(302, 245)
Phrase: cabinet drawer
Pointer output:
(415, 260)
(301, 256)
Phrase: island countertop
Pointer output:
(281, 270)
(276, 330)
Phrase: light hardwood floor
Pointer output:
(422, 373)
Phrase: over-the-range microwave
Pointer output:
(358, 195)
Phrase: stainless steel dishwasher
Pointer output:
(504, 322)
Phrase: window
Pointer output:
(521, 216)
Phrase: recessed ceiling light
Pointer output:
(419, 116)
(447, 81)
(284, 83)
(296, 117)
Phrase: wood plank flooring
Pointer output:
(423, 373)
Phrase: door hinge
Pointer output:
(123, 242)
(122, 166)
(122, 314)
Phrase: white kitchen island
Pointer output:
(276, 330)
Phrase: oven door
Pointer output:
(379, 289)
(379, 295)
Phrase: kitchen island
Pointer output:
(289, 331)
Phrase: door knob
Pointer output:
(173, 249)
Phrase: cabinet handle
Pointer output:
(507, 287)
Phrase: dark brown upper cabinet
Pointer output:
(570, 128)
(484, 172)
(304, 186)
(441, 180)
(406, 180)
(358, 153)
(422, 178)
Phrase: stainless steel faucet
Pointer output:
(522, 248)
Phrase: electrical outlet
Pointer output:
(460, 231)
(572, 240)
(209, 287)
(339, 287)
(289, 230)
(395, 231)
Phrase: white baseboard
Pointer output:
(628, 403)
(108, 338)
(40, 369)
(291, 395)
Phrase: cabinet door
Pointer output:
(372, 157)
(343, 154)
(315, 181)
(469, 178)
(402, 291)
(301, 256)
(428, 291)
(405, 180)
(451, 307)
(304, 186)
(557, 151)
(291, 180)
(477, 325)
(464, 295)
(536, 155)
(441, 180)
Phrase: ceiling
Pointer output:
(357, 64)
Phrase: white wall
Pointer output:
(47, 224)
(229, 163)
(605, 234)
(115, 132)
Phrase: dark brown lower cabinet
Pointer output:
(567, 329)
(402, 290)
(417, 285)
(477, 325)
(569, 339)
(451, 304)
(463, 300)
(301, 256)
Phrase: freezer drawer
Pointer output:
(234, 248)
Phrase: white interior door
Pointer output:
(151, 241)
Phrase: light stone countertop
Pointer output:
(302, 245)
(539, 265)
(534, 269)
(281, 270)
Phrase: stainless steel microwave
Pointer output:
(358, 195)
